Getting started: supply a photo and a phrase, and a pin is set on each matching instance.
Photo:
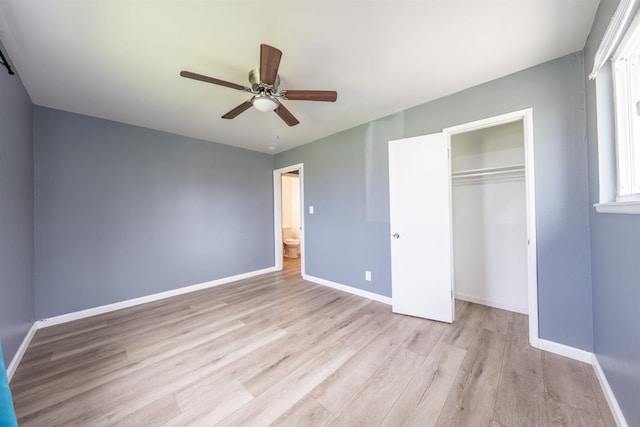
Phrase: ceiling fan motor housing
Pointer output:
(258, 87)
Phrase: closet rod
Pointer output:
(488, 171)
(468, 175)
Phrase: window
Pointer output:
(619, 162)
(626, 81)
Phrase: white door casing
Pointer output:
(420, 217)
(532, 260)
(277, 215)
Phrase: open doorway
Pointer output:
(493, 214)
(288, 204)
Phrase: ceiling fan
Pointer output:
(264, 87)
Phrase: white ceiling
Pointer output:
(120, 60)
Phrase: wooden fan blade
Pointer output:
(269, 63)
(310, 95)
(194, 76)
(286, 115)
(238, 110)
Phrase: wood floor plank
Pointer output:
(288, 353)
(156, 413)
(258, 382)
(74, 408)
(145, 347)
(424, 338)
(372, 402)
(295, 310)
(209, 400)
(271, 405)
(117, 384)
(568, 395)
(340, 306)
(521, 399)
(473, 395)
(64, 374)
(307, 412)
(381, 317)
(422, 400)
(144, 386)
(463, 331)
(47, 334)
(601, 400)
(336, 390)
(497, 320)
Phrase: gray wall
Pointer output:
(615, 250)
(346, 179)
(123, 211)
(16, 213)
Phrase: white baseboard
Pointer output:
(565, 350)
(608, 393)
(11, 369)
(508, 307)
(63, 318)
(349, 289)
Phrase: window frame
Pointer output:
(625, 66)
(626, 84)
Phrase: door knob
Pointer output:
(396, 236)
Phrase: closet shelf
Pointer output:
(500, 170)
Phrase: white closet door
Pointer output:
(420, 194)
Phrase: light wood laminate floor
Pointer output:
(277, 350)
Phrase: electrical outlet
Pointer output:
(311, 210)
(367, 276)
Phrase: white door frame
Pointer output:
(532, 261)
(277, 214)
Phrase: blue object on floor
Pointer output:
(7, 414)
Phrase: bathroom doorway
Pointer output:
(288, 216)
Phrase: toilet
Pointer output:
(291, 248)
(291, 242)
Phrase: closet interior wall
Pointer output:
(489, 217)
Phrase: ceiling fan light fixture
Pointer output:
(264, 103)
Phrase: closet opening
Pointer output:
(493, 214)
(489, 217)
